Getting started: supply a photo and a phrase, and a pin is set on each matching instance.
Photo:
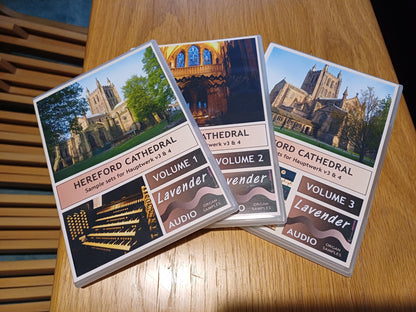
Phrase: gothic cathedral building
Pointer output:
(314, 108)
(109, 123)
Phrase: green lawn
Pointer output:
(312, 141)
(136, 140)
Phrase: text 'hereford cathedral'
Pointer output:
(314, 108)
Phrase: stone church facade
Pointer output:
(110, 123)
(314, 108)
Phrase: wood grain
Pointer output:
(231, 270)
(51, 31)
(26, 281)
(41, 65)
(27, 267)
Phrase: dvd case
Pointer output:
(224, 84)
(332, 126)
(130, 169)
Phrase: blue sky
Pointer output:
(293, 67)
(118, 72)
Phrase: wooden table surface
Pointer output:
(232, 270)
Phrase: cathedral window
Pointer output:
(180, 60)
(193, 56)
(207, 57)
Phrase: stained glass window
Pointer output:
(193, 55)
(180, 60)
(207, 57)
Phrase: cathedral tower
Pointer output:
(321, 83)
(103, 99)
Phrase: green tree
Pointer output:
(365, 126)
(157, 83)
(146, 96)
(58, 114)
(382, 114)
(139, 99)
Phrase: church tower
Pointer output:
(103, 99)
(321, 83)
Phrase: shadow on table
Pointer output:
(325, 307)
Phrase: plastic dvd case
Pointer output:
(224, 84)
(130, 170)
(332, 126)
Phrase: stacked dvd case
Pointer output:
(332, 126)
(130, 170)
(165, 140)
(224, 84)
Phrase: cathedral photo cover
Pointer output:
(327, 105)
(220, 80)
(107, 108)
